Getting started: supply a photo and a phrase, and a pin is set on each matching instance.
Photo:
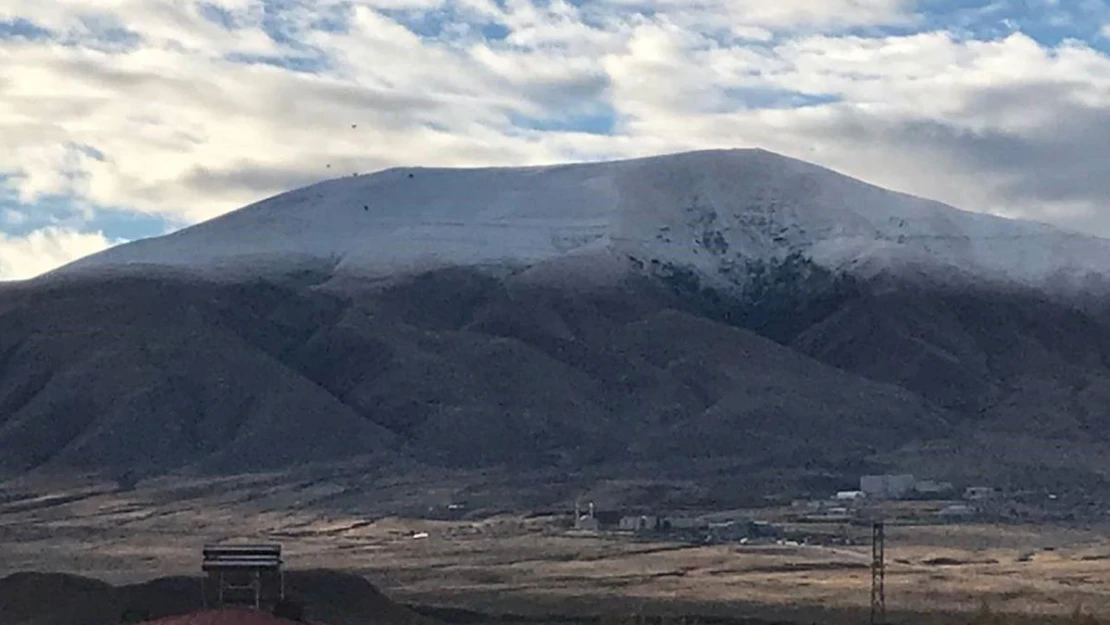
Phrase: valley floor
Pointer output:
(513, 564)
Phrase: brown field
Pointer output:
(509, 564)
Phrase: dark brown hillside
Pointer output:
(453, 369)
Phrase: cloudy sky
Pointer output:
(122, 119)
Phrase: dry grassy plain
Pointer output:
(508, 564)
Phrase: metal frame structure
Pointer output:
(243, 575)
(878, 573)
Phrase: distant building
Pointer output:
(683, 523)
(930, 488)
(653, 523)
(728, 531)
(979, 493)
(588, 523)
(887, 486)
(608, 518)
(641, 523)
(850, 495)
(590, 520)
(764, 529)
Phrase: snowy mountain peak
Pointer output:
(711, 211)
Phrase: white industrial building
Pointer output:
(887, 486)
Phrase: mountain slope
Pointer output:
(742, 309)
(116, 376)
(145, 376)
(712, 211)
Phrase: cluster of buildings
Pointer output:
(702, 528)
(875, 495)
(897, 486)
(906, 486)
(876, 489)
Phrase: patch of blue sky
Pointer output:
(287, 21)
(446, 23)
(726, 37)
(771, 98)
(20, 28)
(1049, 22)
(278, 27)
(18, 218)
(306, 63)
(105, 31)
(600, 15)
(333, 18)
(218, 15)
(493, 31)
(120, 224)
(99, 32)
(598, 119)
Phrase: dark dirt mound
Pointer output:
(222, 617)
(59, 599)
(51, 598)
(341, 598)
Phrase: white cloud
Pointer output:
(168, 124)
(1007, 126)
(195, 135)
(41, 250)
(162, 23)
(780, 13)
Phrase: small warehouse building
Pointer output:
(887, 486)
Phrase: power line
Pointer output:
(878, 573)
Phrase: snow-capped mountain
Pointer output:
(712, 211)
(475, 366)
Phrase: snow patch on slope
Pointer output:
(713, 211)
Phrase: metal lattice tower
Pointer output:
(878, 574)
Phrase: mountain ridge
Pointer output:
(671, 325)
(713, 211)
